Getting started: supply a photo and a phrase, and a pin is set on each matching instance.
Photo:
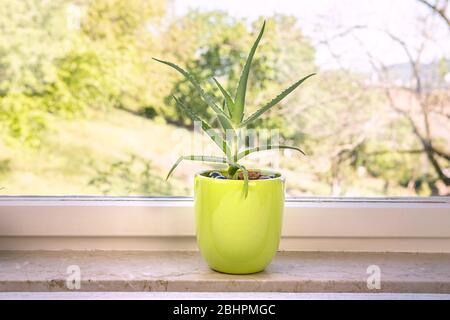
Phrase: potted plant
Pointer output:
(238, 211)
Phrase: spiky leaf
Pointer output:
(274, 101)
(239, 101)
(228, 100)
(246, 152)
(225, 107)
(245, 173)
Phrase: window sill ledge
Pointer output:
(185, 271)
(142, 223)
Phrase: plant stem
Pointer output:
(232, 170)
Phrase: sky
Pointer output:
(324, 19)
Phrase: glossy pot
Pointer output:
(235, 234)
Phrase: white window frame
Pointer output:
(168, 223)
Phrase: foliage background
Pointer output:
(84, 109)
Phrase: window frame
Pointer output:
(396, 224)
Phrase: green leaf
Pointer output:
(246, 152)
(195, 158)
(228, 100)
(223, 118)
(232, 170)
(239, 101)
(245, 173)
(274, 101)
(206, 128)
(225, 107)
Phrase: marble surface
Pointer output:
(79, 295)
(290, 272)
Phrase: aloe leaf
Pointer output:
(223, 118)
(239, 101)
(274, 101)
(221, 143)
(228, 100)
(225, 107)
(195, 158)
(246, 152)
(232, 169)
(245, 173)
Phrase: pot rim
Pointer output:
(199, 175)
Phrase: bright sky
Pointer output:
(319, 20)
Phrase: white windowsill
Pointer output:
(146, 223)
(36, 231)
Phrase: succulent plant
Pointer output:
(230, 118)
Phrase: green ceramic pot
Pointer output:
(235, 234)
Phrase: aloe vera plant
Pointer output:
(231, 118)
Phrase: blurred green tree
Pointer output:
(52, 65)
